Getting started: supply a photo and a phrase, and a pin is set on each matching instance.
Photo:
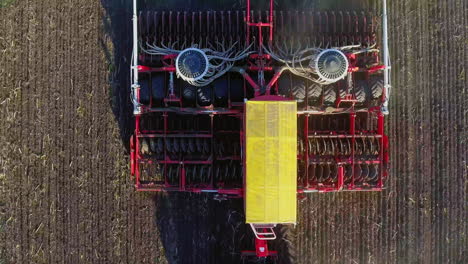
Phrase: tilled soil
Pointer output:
(65, 190)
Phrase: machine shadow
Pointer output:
(116, 44)
(195, 228)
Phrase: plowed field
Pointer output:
(65, 119)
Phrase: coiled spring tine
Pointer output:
(371, 145)
(234, 172)
(311, 171)
(208, 174)
(220, 147)
(159, 145)
(216, 173)
(374, 173)
(226, 172)
(310, 146)
(378, 146)
(175, 145)
(318, 172)
(348, 173)
(169, 174)
(334, 171)
(357, 173)
(336, 147)
(347, 146)
(183, 145)
(169, 145)
(356, 147)
(322, 145)
(326, 172)
(363, 145)
(364, 171)
(329, 146)
(300, 144)
(191, 145)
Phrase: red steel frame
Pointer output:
(137, 158)
(341, 160)
(259, 63)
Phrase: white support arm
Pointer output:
(134, 64)
(386, 60)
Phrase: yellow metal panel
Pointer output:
(271, 162)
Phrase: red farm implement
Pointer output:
(210, 86)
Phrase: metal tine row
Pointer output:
(198, 174)
(364, 145)
(173, 174)
(226, 146)
(189, 123)
(194, 174)
(151, 122)
(186, 123)
(325, 29)
(330, 146)
(300, 145)
(327, 172)
(200, 146)
(329, 123)
(227, 172)
(181, 29)
(326, 123)
(191, 148)
(226, 123)
(331, 22)
(363, 173)
(367, 146)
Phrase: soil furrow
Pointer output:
(65, 191)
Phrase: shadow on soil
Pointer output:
(195, 228)
(116, 43)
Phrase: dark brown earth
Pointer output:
(65, 190)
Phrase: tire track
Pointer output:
(425, 164)
(434, 127)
